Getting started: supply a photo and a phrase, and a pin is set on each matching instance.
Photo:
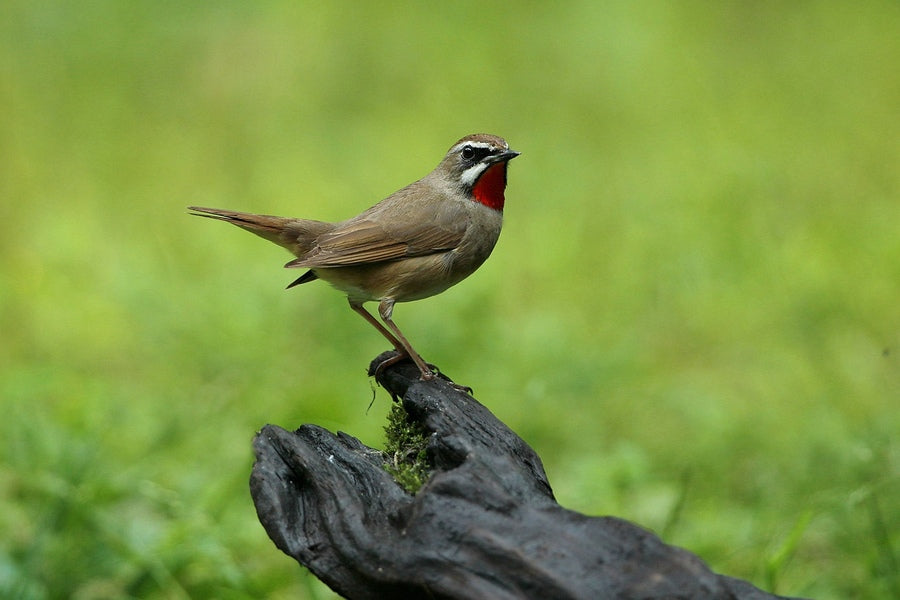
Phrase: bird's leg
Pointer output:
(400, 343)
(386, 309)
(399, 346)
(358, 307)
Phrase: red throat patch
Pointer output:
(490, 186)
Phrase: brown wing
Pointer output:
(405, 224)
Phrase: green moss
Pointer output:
(404, 450)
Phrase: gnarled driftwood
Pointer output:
(484, 525)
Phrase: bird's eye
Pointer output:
(468, 152)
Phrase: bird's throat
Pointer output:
(488, 190)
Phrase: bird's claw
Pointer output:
(432, 373)
(393, 360)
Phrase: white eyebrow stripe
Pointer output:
(487, 145)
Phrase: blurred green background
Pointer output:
(693, 313)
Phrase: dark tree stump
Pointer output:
(485, 525)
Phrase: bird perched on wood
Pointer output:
(415, 243)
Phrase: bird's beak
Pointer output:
(506, 156)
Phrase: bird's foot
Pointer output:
(437, 373)
(429, 373)
(400, 356)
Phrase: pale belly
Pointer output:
(402, 280)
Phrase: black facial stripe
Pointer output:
(472, 154)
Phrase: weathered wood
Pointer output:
(485, 525)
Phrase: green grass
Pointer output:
(692, 313)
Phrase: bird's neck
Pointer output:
(488, 190)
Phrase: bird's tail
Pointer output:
(297, 235)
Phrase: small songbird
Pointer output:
(415, 243)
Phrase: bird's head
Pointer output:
(476, 164)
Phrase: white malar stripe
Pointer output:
(471, 175)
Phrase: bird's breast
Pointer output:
(482, 233)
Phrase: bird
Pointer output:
(416, 243)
